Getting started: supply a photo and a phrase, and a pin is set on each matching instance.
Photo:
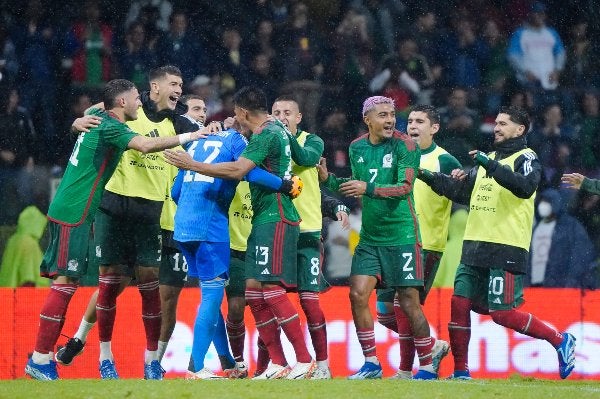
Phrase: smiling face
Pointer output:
(165, 91)
(421, 129)
(288, 113)
(131, 103)
(506, 129)
(196, 110)
(381, 121)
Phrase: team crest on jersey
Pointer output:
(387, 161)
(98, 251)
(72, 265)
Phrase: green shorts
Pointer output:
(271, 253)
(173, 266)
(492, 289)
(237, 275)
(397, 266)
(126, 242)
(310, 262)
(67, 253)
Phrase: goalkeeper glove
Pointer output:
(292, 186)
(481, 158)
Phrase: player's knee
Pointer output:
(359, 298)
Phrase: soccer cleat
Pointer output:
(460, 375)
(425, 375)
(108, 370)
(64, 355)
(153, 371)
(438, 352)
(204, 374)
(566, 355)
(321, 373)
(369, 371)
(302, 371)
(43, 372)
(274, 372)
(402, 375)
(240, 370)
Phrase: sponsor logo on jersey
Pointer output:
(72, 265)
(387, 161)
(266, 271)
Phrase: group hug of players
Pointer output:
(241, 227)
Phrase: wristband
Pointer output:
(342, 208)
(184, 138)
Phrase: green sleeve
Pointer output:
(333, 182)
(257, 149)
(118, 134)
(591, 185)
(310, 154)
(448, 163)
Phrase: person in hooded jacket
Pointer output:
(562, 254)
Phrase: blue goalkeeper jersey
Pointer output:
(203, 201)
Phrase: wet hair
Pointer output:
(163, 71)
(114, 89)
(371, 102)
(187, 97)
(251, 98)
(286, 97)
(432, 113)
(517, 115)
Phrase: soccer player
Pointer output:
(500, 192)
(92, 162)
(272, 245)
(433, 213)
(578, 181)
(384, 164)
(307, 149)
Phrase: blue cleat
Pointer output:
(108, 370)
(153, 371)
(43, 372)
(566, 355)
(460, 375)
(369, 371)
(425, 375)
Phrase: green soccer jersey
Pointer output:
(270, 149)
(92, 162)
(389, 169)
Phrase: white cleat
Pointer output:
(438, 352)
(321, 373)
(240, 370)
(402, 375)
(274, 372)
(302, 371)
(204, 374)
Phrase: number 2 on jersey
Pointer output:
(195, 176)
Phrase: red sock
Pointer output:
(423, 346)
(527, 324)
(366, 338)
(288, 320)
(317, 327)
(106, 305)
(151, 312)
(459, 329)
(388, 320)
(52, 316)
(405, 338)
(262, 358)
(236, 331)
(266, 324)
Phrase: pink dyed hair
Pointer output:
(371, 102)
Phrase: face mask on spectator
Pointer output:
(544, 209)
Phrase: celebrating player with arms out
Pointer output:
(384, 165)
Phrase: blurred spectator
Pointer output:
(231, 60)
(496, 72)
(263, 41)
(428, 36)
(178, 47)
(226, 109)
(22, 255)
(163, 8)
(88, 49)
(136, 58)
(78, 102)
(337, 135)
(588, 132)
(9, 66)
(459, 126)
(384, 19)
(586, 208)
(204, 87)
(465, 54)
(537, 54)
(17, 150)
(37, 52)
(148, 16)
(261, 75)
(582, 67)
(545, 138)
(562, 254)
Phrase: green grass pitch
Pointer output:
(513, 388)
